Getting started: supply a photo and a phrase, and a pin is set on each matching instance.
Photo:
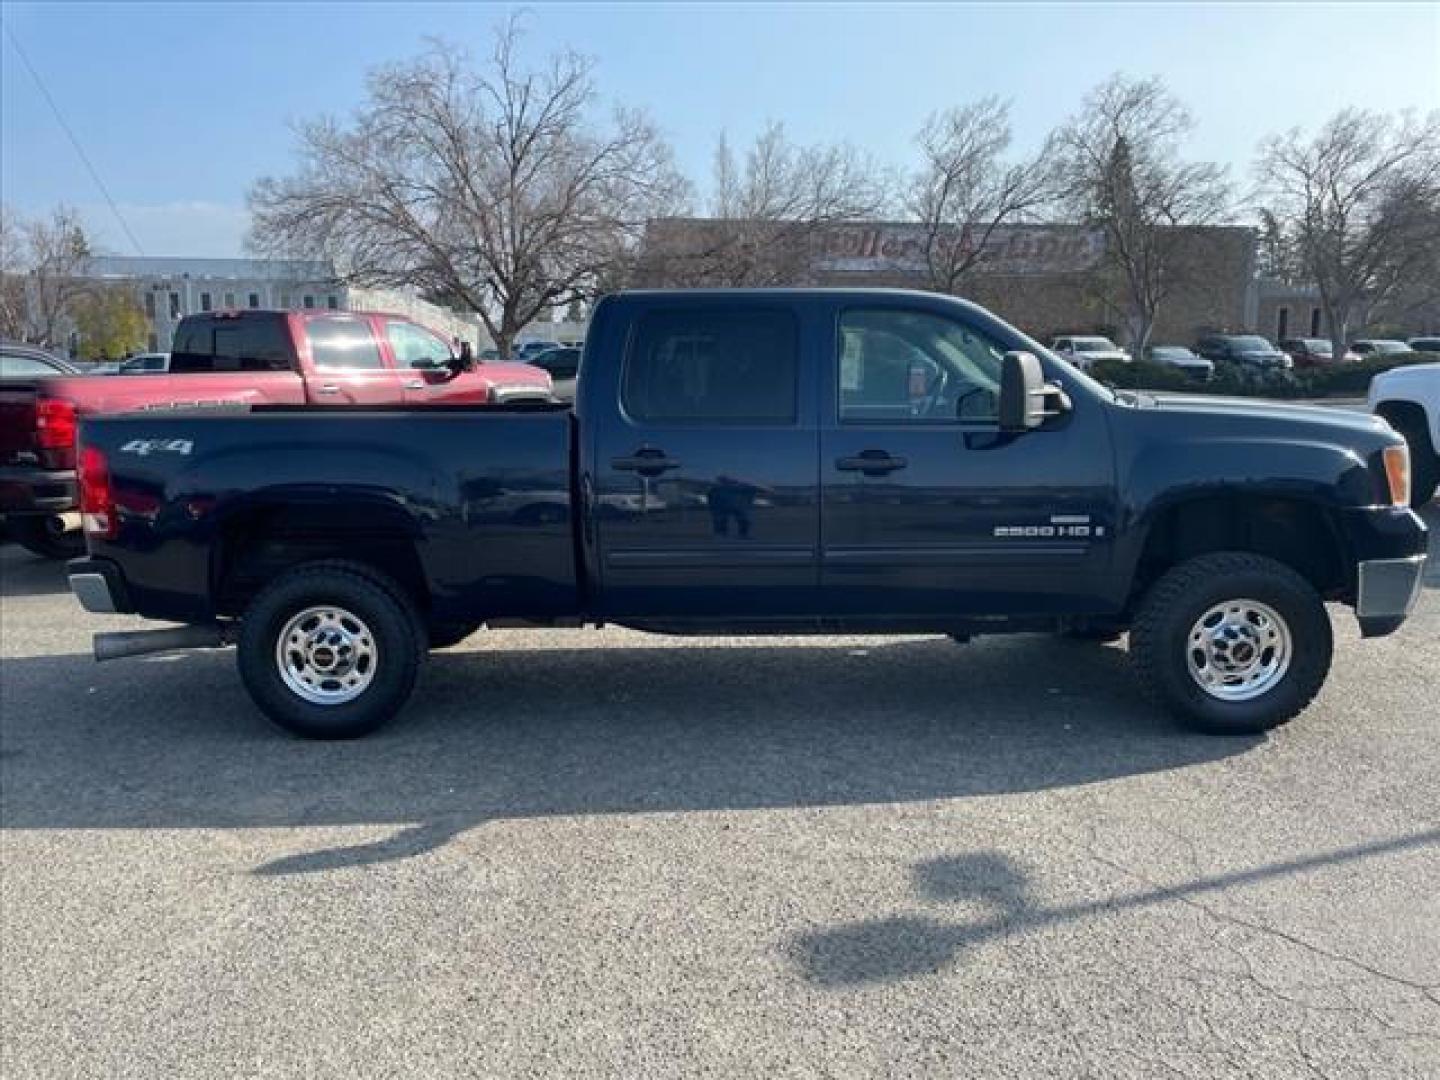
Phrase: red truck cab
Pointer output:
(250, 357)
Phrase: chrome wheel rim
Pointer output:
(327, 655)
(1239, 650)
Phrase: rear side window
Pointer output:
(711, 366)
(342, 343)
(219, 345)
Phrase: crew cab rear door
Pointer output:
(928, 509)
(705, 493)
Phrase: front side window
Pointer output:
(911, 366)
(338, 343)
(736, 367)
(411, 344)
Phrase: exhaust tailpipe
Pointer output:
(121, 643)
(60, 524)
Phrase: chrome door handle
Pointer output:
(871, 463)
(328, 388)
(416, 385)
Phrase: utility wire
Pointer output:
(40, 84)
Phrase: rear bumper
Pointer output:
(99, 585)
(36, 491)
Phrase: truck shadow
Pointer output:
(173, 742)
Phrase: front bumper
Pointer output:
(99, 586)
(1386, 591)
(1388, 546)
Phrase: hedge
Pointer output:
(1338, 380)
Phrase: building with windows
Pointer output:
(169, 288)
(1047, 279)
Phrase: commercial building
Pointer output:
(1046, 279)
(169, 288)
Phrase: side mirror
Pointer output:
(1026, 399)
(428, 363)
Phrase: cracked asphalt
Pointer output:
(613, 855)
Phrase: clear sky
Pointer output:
(180, 106)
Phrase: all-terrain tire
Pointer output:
(1161, 640)
(306, 687)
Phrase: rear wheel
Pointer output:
(36, 535)
(330, 650)
(1232, 643)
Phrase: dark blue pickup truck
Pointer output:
(759, 462)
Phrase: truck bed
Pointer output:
(479, 496)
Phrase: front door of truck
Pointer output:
(927, 508)
(706, 498)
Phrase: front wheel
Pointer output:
(330, 651)
(1232, 643)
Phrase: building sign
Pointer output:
(1010, 249)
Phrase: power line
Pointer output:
(85, 159)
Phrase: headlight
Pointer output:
(1397, 473)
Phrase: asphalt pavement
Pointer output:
(608, 854)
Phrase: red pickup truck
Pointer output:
(246, 357)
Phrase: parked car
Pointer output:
(760, 461)
(1085, 351)
(1409, 399)
(153, 363)
(19, 361)
(1245, 350)
(527, 349)
(1178, 356)
(1365, 348)
(563, 366)
(1314, 352)
(1424, 344)
(37, 472)
(289, 358)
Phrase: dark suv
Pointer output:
(1249, 350)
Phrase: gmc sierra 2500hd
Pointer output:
(760, 462)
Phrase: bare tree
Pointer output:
(12, 274)
(767, 214)
(1360, 203)
(489, 185)
(966, 189)
(43, 262)
(1123, 173)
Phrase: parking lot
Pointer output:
(609, 854)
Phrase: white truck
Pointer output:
(1409, 399)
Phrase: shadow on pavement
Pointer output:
(173, 742)
(24, 574)
(882, 950)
